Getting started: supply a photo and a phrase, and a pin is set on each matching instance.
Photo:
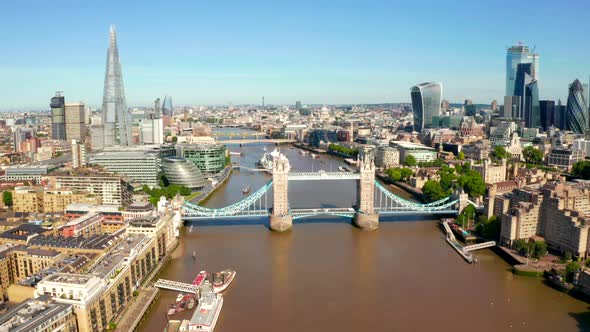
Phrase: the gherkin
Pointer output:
(116, 118)
(576, 117)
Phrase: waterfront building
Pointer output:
(183, 172)
(521, 219)
(116, 119)
(78, 154)
(25, 262)
(386, 157)
(421, 153)
(75, 124)
(516, 55)
(140, 166)
(58, 129)
(548, 116)
(138, 210)
(209, 158)
(39, 315)
(491, 173)
(426, 101)
(86, 226)
(111, 189)
(564, 157)
(576, 117)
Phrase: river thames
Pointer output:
(326, 275)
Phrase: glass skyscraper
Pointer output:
(532, 114)
(58, 119)
(426, 99)
(576, 116)
(548, 116)
(514, 56)
(116, 118)
(167, 106)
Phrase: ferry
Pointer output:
(342, 169)
(221, 280)
(315, 156)
(207, 311)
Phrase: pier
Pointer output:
(464, 251)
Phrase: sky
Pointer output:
(320, 52)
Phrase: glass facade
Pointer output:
(532, 114)
(209, 158)
(183, 172)
(514, 56)
(58, 121)
(576, 117)
(426, 101)
(548, 116)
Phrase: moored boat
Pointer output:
(200, 278)
(221, 280)
(246, 190)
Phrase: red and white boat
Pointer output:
(221, 280)
(200, 278)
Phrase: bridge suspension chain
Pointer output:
(246, 206)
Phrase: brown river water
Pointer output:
(326, 275)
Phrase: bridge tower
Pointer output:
(463, 199)
(280, 218)
(365, 216)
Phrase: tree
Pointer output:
(500, 152)
(461, 156)
(532, 155)
(410, 161)
(540, 249)
(472, 183)
(581, 170)
(570, 269)
(7, 198)
(146, 189)
(433, 191)
(395, 174)
(406, 173)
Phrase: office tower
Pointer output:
(445, 105)
(426, 99)
(58, 128)
(516, 55)
(470, 110)
(75, 126)
(576, 116)
(167, 109)
(116, 118)
(298, 105)
(468, 102)
(523, 77)
(21, 137)
(548, 115)
(152, 129)
(511, 107)
(78, 154)
(532, 115)
(560, 115)
(494, 105)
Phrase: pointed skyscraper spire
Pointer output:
(116, 117)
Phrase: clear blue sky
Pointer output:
(216, 52)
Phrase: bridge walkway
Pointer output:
(176, 286)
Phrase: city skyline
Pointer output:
(349, 54)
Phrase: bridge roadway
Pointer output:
(323, 176)
(257, 141)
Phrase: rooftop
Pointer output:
(31, 314)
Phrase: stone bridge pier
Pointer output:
(280, 218)
(366, 217)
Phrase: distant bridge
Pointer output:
(257, 141)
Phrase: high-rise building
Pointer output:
(514, 56)
(167, 109)
(560, 115)
(511, 107)
(576, 116)
(152, 128)
(75, 126)
(116, 118)
(58, 127)
(445, 105)
(532, 116)
(426, 101)
(523, 77)
(470, 110)
(298, 105)
(548, 116)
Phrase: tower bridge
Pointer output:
(373, 199)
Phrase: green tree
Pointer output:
(174, 139)
(500, 152)
(433, 191)
(146, 189)
(395, 174)
(410, 161)
(472, 183)
(540, 249)
(570, 269)
(7, 198)
(581, 170)
(532, 155)
(461, 156)
(406, 173)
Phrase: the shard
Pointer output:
(116, 118)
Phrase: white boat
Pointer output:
(221, 280)
(207, 311)
(303, 152)
(314, 156)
